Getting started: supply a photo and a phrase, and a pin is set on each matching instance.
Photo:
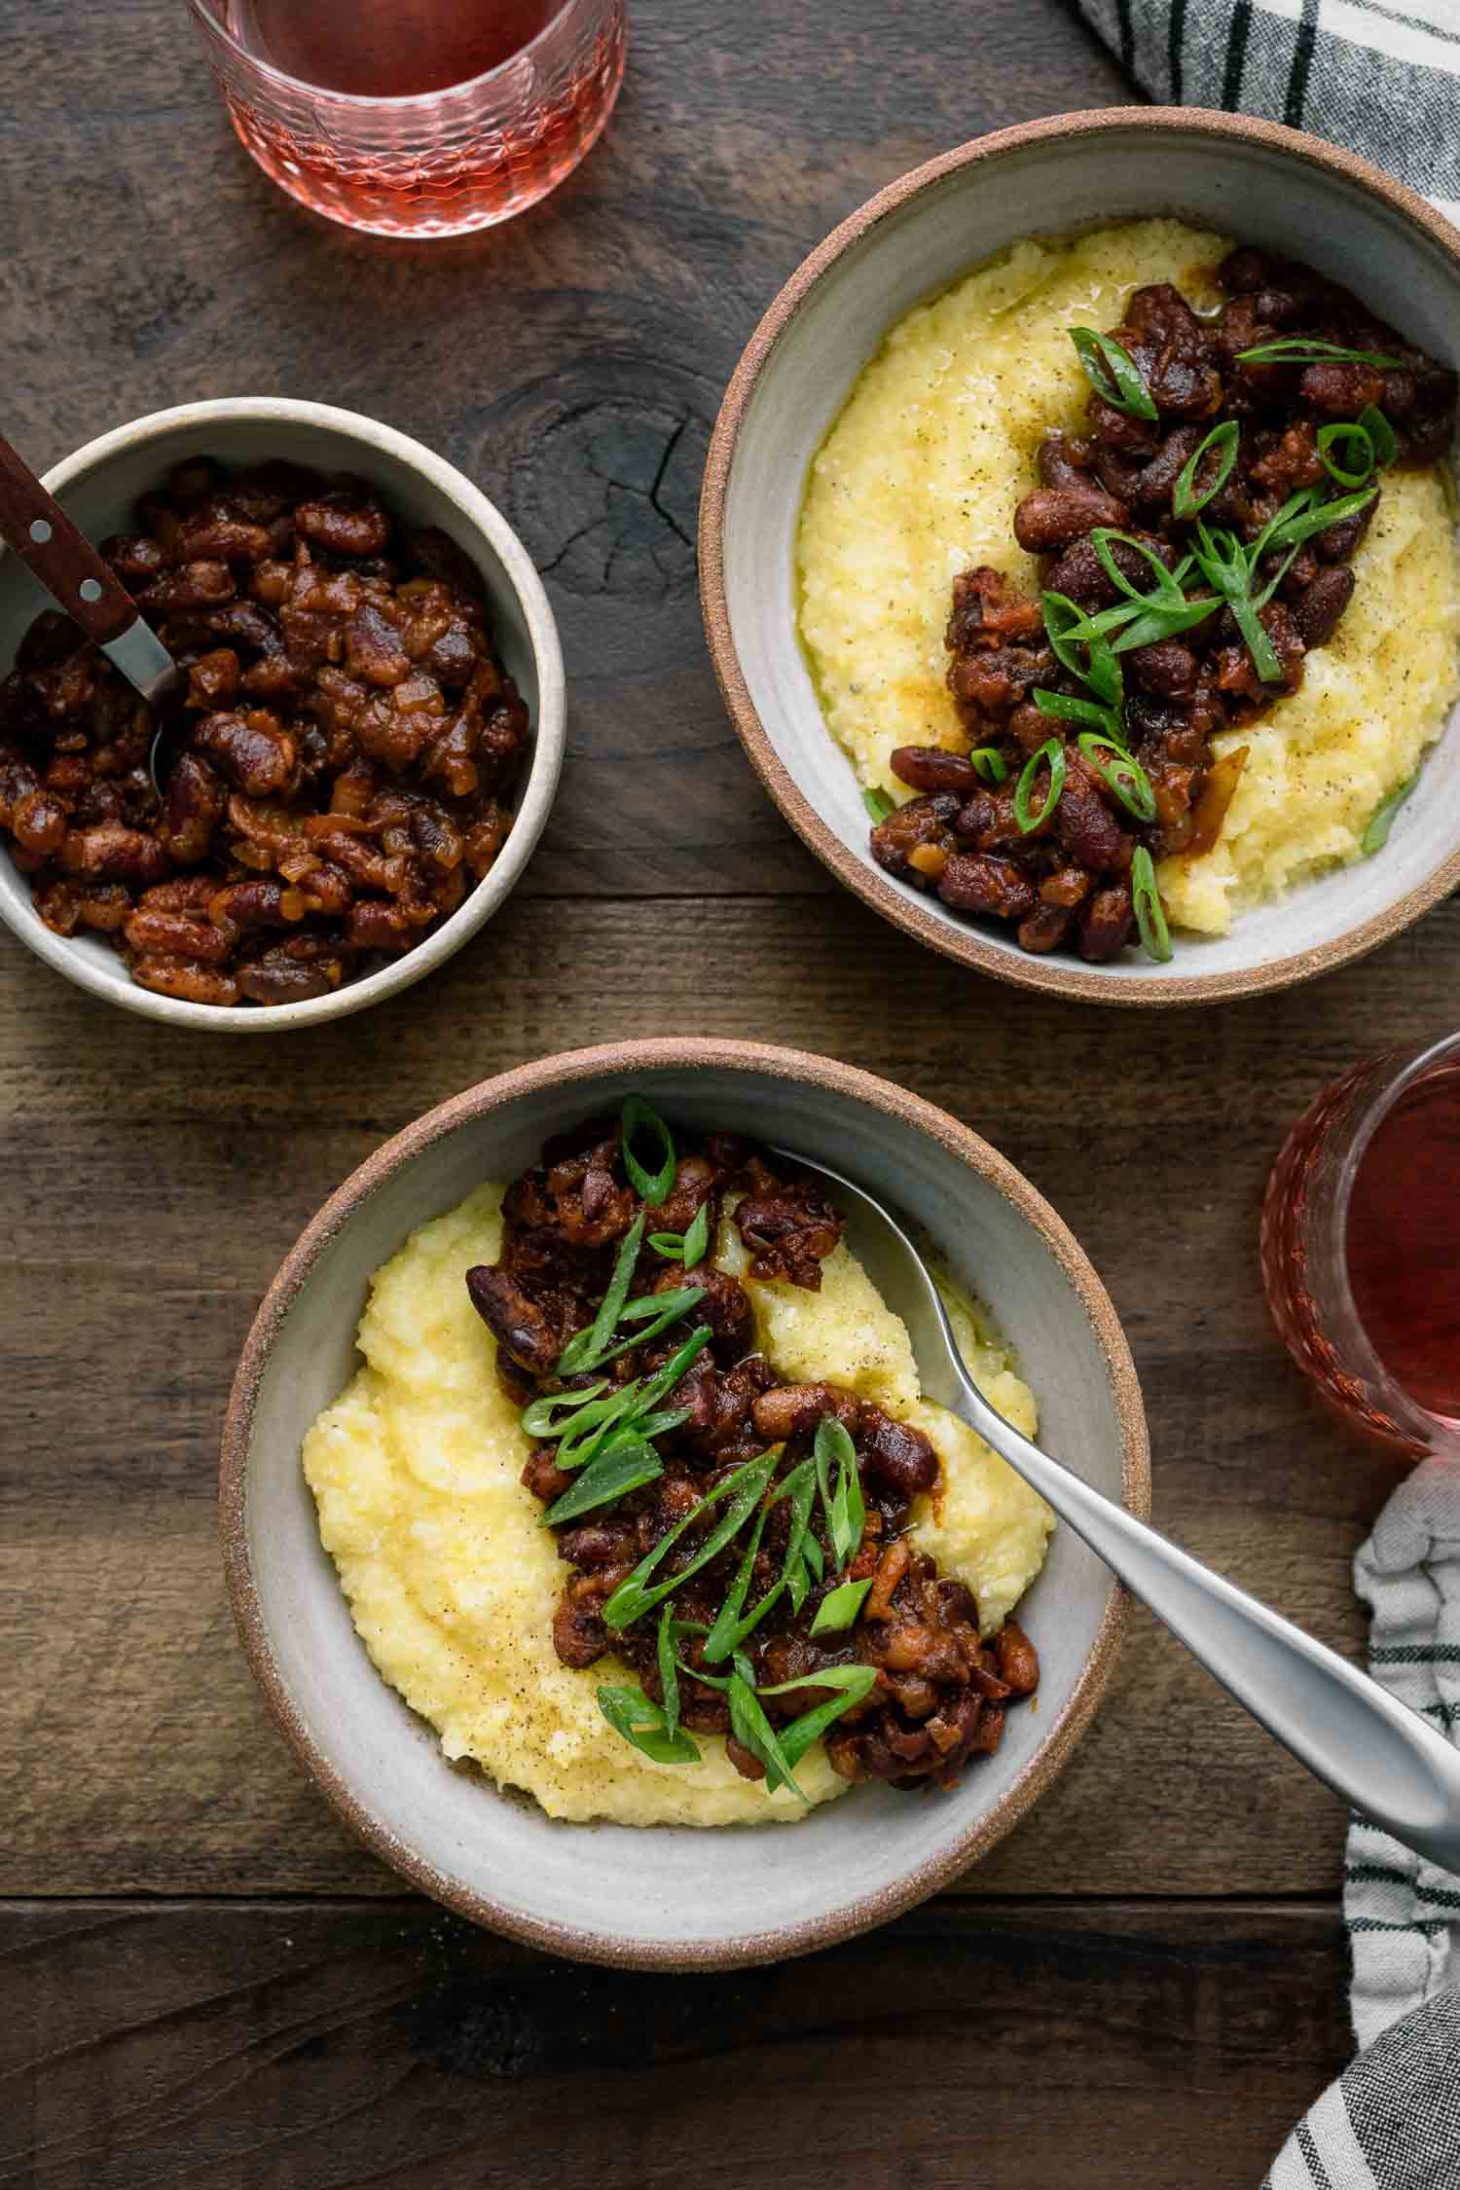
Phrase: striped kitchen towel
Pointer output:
(1378, 76)
(1392, 2121)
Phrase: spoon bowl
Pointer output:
(1348, 1731)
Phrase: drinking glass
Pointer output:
(1311, 1226)
(437, 156)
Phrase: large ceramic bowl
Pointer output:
(99, 487)
(1250, 179)
(668, 1897)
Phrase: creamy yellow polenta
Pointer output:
(453, 1580)
(919, 478)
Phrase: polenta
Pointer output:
(452, 1579)
(919, 477)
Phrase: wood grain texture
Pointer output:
(259, 2047)
(157, 1179)
(570, 362)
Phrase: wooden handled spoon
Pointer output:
(68, 566)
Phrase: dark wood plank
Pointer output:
(332, 2047)
(155, 1180)
(571, 362)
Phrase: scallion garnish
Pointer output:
(1187, 500)
(670, 1630)
(1381, 821)
(753, 1730)
(1112, 372)
(1082, 647)
(1345, 435)
(1104, 540)
(1225, 564)
(1069, 707)
(878, 804)
(1304, 350)
(1121, 771)
(853, 1683)
(1305, 515)
(989, 763)
(631, 1713)
(732, 1623)
(838, 1609)
(630, 1408)
(626, 1463)
(744, 1489)
(688, 1246)
(1150, 912)
(1380, 433)
(585, 1349)
(1051, 755)
(843, 1503)
(637, 1117)
(548, 1416)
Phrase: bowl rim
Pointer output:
(625, 1951)
(968, 945)
(538, 790)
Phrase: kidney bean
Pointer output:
(343, 528)
(981, 882)
(186, 980)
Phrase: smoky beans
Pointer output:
(336, 771)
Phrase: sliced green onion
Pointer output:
(844, 1505)
(1381, 821)
(838, 1609)
(1150, 912)
(1220, 443)
(1122, 772)
(1380, 432)
(1052, 755)
(989, 763)
(1112, 372)
(585, 1349)
(1304, 350)
(622, 1466)
(744, 1489)
(1164, 623)
(1224, 563)
(637, 1116)
(1338, 436)
(1167, 588)
(753, 1730)
(732, 1623)
(853, 1683)
(548, 1416)
(1067, 707)
(688, 1246)
(669, 1631)
(1083, 650)
(878, 804)
(641, 1722)
(1317, 517)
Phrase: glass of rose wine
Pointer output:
(416, 117)
(1361, 1246)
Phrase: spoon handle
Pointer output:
(67, 565)
(1352, 1733)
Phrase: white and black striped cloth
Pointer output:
(1378, 76)
(1392, 2121)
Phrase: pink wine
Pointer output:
(1402, 1242)
(388, 49)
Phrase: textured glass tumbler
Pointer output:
(1305, 1243)
(434, 163)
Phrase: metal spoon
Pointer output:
(89, 590)
(1348, 1730)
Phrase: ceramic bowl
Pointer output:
(1250, 179)
(667, 1897)
(99, 487)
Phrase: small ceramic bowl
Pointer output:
(668, 1897)
(1249, 179)
(99, 487)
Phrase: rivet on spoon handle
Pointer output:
(34, 524)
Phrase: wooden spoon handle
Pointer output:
(67, 565)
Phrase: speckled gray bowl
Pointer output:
(1253, 180)
(99, 485)
(668, 1897)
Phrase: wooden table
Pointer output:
(209, 1983)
